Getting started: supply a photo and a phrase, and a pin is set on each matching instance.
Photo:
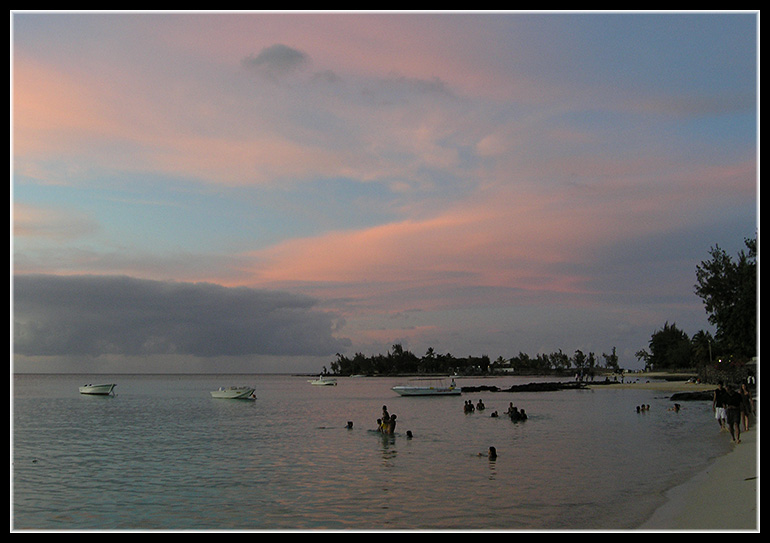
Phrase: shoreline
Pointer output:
(663, 386)
(722, 497)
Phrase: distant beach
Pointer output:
(653, 383)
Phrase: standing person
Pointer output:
(391, 429)
(748, 405)
(733, 410)
(718, 404)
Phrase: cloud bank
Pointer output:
(104, 315)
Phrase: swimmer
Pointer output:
(491, 454)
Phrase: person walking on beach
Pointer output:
(733, 411)
(718, 405)
(748, 405)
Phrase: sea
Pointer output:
(162, 454)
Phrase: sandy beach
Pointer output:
(722, 498)
(656, 382)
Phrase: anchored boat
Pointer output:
(234, 393)
(323, 380)
(438, 389)
(97, 390)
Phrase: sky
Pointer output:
(260, 191)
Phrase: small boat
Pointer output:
(324, 381)
(97, 390)
(430, 390)
(234, 393)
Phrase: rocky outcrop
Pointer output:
(530, 387)
(707, 395)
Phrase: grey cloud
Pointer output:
(276, 60)
(96, 315)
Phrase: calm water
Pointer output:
(162, 454)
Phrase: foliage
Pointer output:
(670, 348)
(401, 361)
(729, 292)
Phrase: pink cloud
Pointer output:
(525, 236)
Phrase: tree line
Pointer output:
(400, 361)
(726, 286)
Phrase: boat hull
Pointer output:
(234, 393)
(427, 391)
(97, 390)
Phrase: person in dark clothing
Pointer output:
(733, 412)
(748, 405)
(718, 405)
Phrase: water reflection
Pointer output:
(389, 450)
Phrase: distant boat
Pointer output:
(97, 390)
(234, 393)
(324, 380)
(429, 390)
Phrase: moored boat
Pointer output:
(428, 390)
(97, 390)
(234, 393)
(324, 380)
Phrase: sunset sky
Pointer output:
(254, 191)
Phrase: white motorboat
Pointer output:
(234, 393)
(97, 390)
(324, 381)
(439, 389)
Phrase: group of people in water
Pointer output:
(513, 412)
(387, 423)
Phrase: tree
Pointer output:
(580, 361)
(702, 348)
(559, 360)
(611, 360)
(643, 355)
(670, 348)
(729, 292)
